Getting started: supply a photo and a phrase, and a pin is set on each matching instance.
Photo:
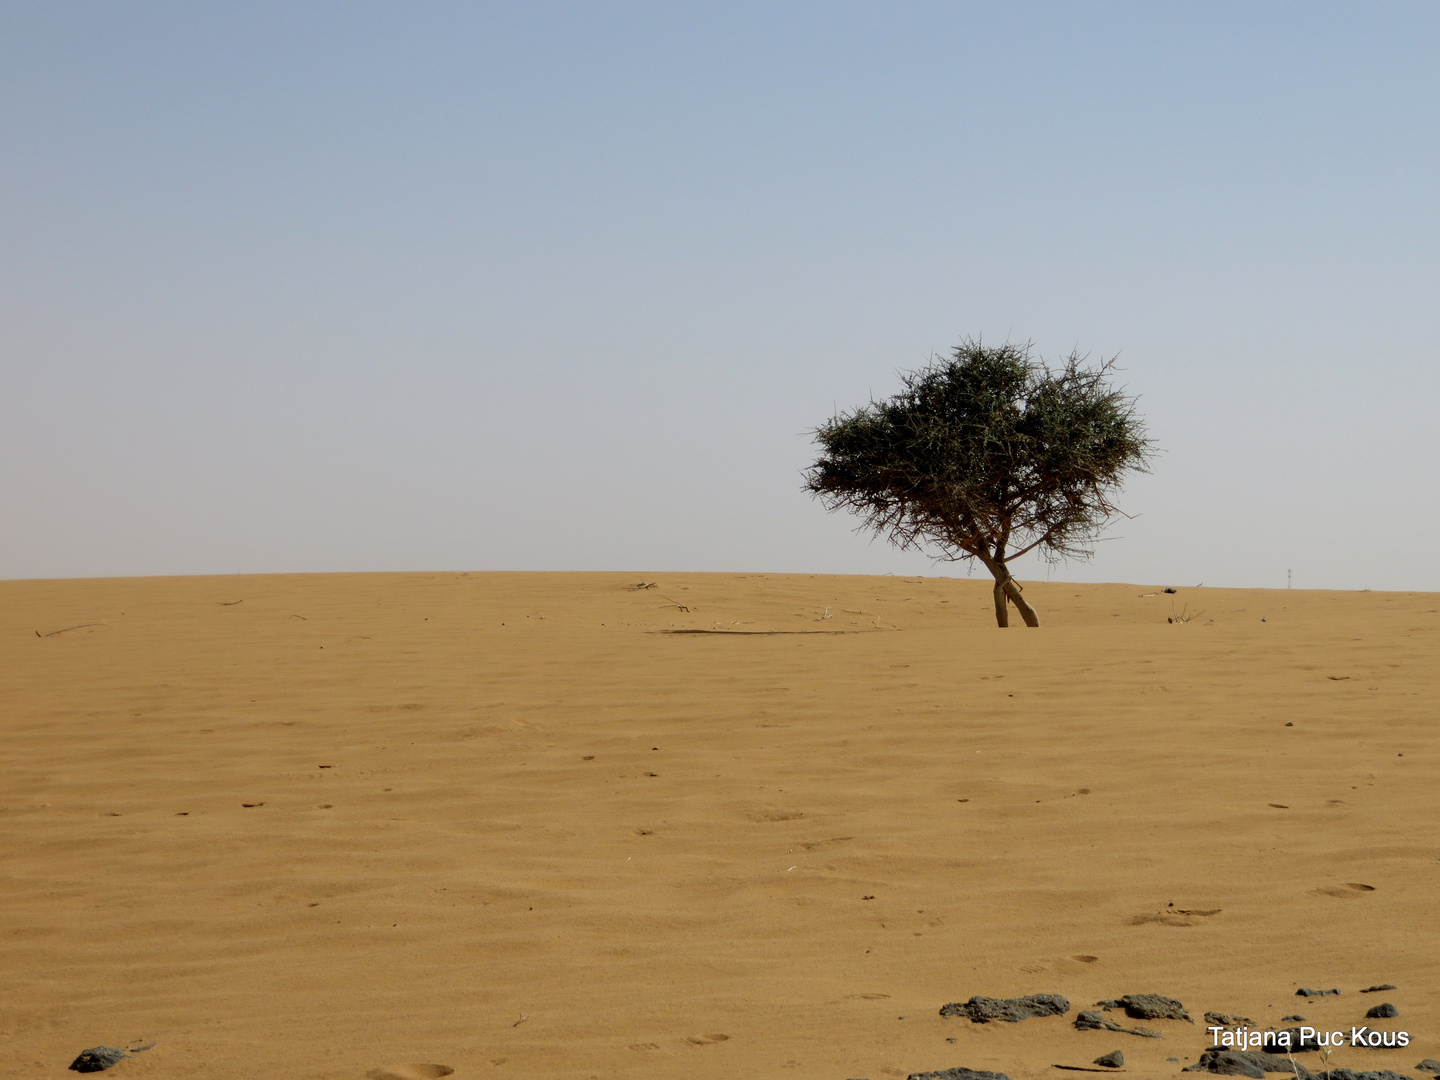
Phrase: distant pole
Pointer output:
(1287, 579)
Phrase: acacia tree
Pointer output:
(987, 455)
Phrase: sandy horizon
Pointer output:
(512, 823)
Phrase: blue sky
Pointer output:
(325, 286)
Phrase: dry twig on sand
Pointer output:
(641, 586)
(67, 629)
(1184, 616)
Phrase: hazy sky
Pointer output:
(360, 286)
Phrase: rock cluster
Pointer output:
(1147, 1007)
(1225, 1062)
(982, 1010)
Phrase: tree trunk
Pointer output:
(1012, 590)
(1002, 613)
(1008, 589)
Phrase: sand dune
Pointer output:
(316, 826)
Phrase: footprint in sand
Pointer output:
(415, 1070)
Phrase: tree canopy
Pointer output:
(987, 455)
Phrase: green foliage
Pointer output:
(989, 454)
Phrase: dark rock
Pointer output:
(1108, 1005)
(1429, 1065)
(1227, 1062)
(1316, 993)
(1299, 1045)
(1382, 1012)
(1153, 1007)
(1219, 1019)
(1351, 1074)
(958, 1074)
(1294, 1016)
(1090, 1020)
(98, 1058)
(982, 1010)
(1363, 1041)
(1276, 1063)
(1113, 1060)
(1374, 989)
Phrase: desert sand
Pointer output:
(311, 826)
